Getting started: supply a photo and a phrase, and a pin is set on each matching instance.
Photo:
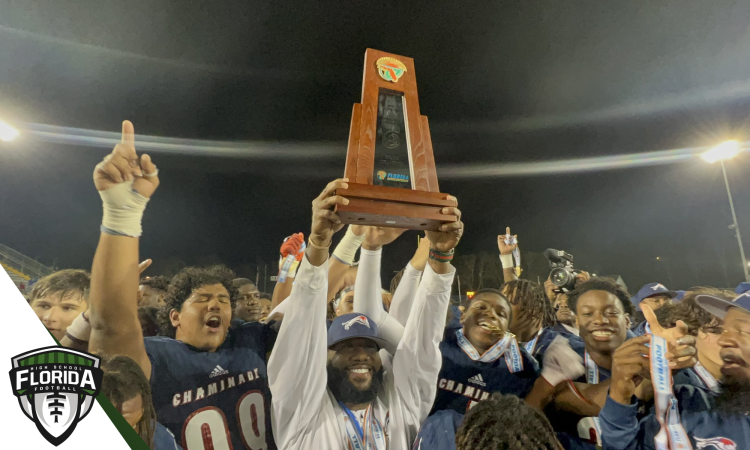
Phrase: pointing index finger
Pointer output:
(128, 133)
(650, 316)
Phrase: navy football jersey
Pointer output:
(215, 400)
(438, 432)
(539, 344)
(463, 380)
(698, 377)
(564, 332)
(164, 439)
(566, 423)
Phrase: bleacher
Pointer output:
(24, 271)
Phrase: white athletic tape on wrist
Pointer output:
(506, 261)
(347, 248)
(123, 209)
(80, 329)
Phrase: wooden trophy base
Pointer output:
(394, 207)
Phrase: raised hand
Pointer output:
(376, 237)
(506, 249)
(325, 220)
(682, 352)
(123, 165)
(550, 290)
(561, 362)
(292, 245)
(450, 233)
(582, 277)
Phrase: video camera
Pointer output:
(563, 275)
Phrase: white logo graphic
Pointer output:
(658, 286)
(218, 371)
(477, 379)
(358, 319)
(719, 443)
(56, 388)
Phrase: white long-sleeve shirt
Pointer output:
(304, 414)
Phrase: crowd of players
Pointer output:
(331, 360)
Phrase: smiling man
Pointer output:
(329, 387)
(602, 309)
(480, 356)
(208, 380)
(712, 422)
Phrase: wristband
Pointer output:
(318, 247)
(439, 256)
(123, 210)
(79, 330)
(348, 247)
(506, 261)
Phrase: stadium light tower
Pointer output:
(728, 150)
(7, 132)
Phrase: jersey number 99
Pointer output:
(207, 428)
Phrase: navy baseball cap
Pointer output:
(742, 288)
(719, 307)
(680, 296)
(354, 325)
(650, 290)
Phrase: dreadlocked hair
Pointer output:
(602, 284)
(530, 295)
(505, 422)
(688, 311)
(124, 380)
(182, 286)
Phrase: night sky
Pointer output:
(501, 82)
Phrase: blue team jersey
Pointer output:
(641, 328)
(164, 439)
(438, 432)
(698, 377)
(541, 341)
(215, 400)
(564, 332)
(463, 380)
(706, 429)
(566, 423)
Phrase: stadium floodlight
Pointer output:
(7, 132)
(722, 152)
(725, 150)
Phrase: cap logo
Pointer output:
(658, 286)
(359, 319)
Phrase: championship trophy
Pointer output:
(389, 161)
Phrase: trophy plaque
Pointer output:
(389, 161)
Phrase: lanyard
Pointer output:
(706, 377)
(592, 370)
(371, 438)
(672, 434)
(592, 377)
(508, 342)
(531, 345)
(511, 240)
